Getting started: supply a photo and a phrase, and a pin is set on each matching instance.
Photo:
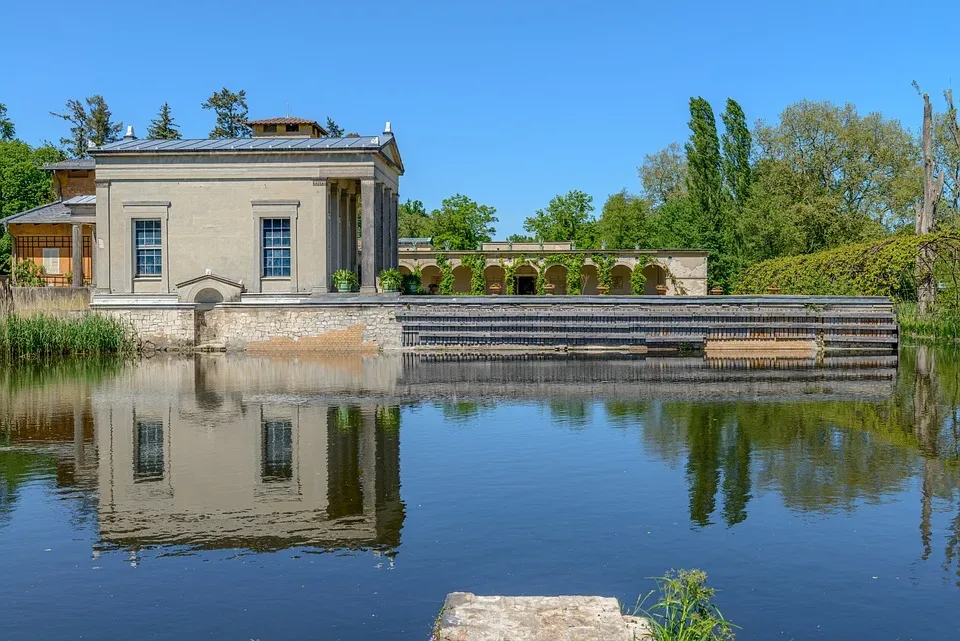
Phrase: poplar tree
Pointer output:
(737, 145)
(163, 127)
(7, 130)
(231, 111)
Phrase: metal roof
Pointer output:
(361, 143)
(81, 200)
(285, 120)
(56, 212)
(79, 164)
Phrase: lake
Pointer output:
(242, 497)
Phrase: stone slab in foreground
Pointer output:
(468, 617)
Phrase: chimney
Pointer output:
(386, 128)
(129, 135)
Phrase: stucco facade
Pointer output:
(202, 205)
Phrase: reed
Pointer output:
(44, 336)
(941, 323)
(684, 609)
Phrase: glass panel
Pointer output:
(276, 247)
(148, 241)
(277, 451)
(148, 457)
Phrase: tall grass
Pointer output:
(684, 609)
(44, 336)
(942, 323)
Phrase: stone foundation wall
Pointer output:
(158, 328)
(29, 301)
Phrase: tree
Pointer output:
(6, 251)
(566, 218)
(7, 130)
(462, 223)
(413, 221)
(96, 126)
(624, 221)
(926, 211)
(520, 238)
(163, 127)
(737, 146)
(231, 111)
(335, 130)
(664, 174)
(23, 185)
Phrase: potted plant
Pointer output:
(603, 289)
(345, 280)
(717, 290)
(495, 288)
(411, 283)
(548, 289)
(661, 290)
(774, 289)
(390, 280)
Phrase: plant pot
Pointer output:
(773, 289)
(495, 289)
(389, 289)
(717, 291)
(548, 289)
(344, 288)
(661, 290)
(603, 289)
(412, 288)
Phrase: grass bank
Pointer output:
(26, 337)
(943, 323)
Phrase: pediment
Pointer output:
(209, 289)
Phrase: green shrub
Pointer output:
(684, 610)
(345, 276)
(411, 283)
(390, 279)
(638, 280)
(476, 263)
(446, 275)
(27, 273)
(574, 265)
(42, 336)
(604, 263)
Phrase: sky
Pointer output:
(508, 102)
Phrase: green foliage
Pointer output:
(446, 275)
(684, 610)
(520, 238)
(6, 248)
(664, 175)
(347, 277)
(27, 273)
(624, 222)
(163, 127)
(96, 125)
(476, 263)
(411, 283)
(44, 336)
(510, 273)
(604, 263)
(23, 185)
(390, 279)
(7, 130)
(737, 146)
(574, 265)
(462, 224)
(638, 281)
(231, 110)
(941, 323)
(566, 218)
(334, 130)
(880, 268)
(413, 220)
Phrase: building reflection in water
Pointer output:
(190, 457)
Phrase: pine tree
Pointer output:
(7, 130)
(163, 128)
(231, 110)
(335, 130)
(95, 126)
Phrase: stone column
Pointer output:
(378, 227)
(386, 243)
(333, 238)
(76, 246)
(394, 222)
(368, 197)
(102, 247)
(352, 235)
(344, 226)
(318, 274)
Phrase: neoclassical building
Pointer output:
(202, 221)
(681, 271)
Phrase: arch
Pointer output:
(208, 296)
(430, 276)
(655, 276)
(589, 281)
(494, 274)
(620, 277)
(557, 275)
(404, 270)
(525, 280)
(461, 279)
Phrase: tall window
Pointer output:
(277, 462)
(148, 452)
(147, 240)
(51, 260)
(276, 247)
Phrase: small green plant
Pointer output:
(390, 279)
(477, 263)
(638, 280)
(345, 277)
(604, 263)
(411, 283)
(41, 336)
(574, 264)
(446, 275)
(27, 273)
(684, 610)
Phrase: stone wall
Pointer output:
(28, 301)
(158, 327)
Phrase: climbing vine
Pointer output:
(574, 265)
(510, 272)
(638, 281)
(886, 267)
(476, 263)
(446, 275)
(604, 263)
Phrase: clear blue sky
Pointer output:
(507, 102)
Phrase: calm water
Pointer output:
(255, 498)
